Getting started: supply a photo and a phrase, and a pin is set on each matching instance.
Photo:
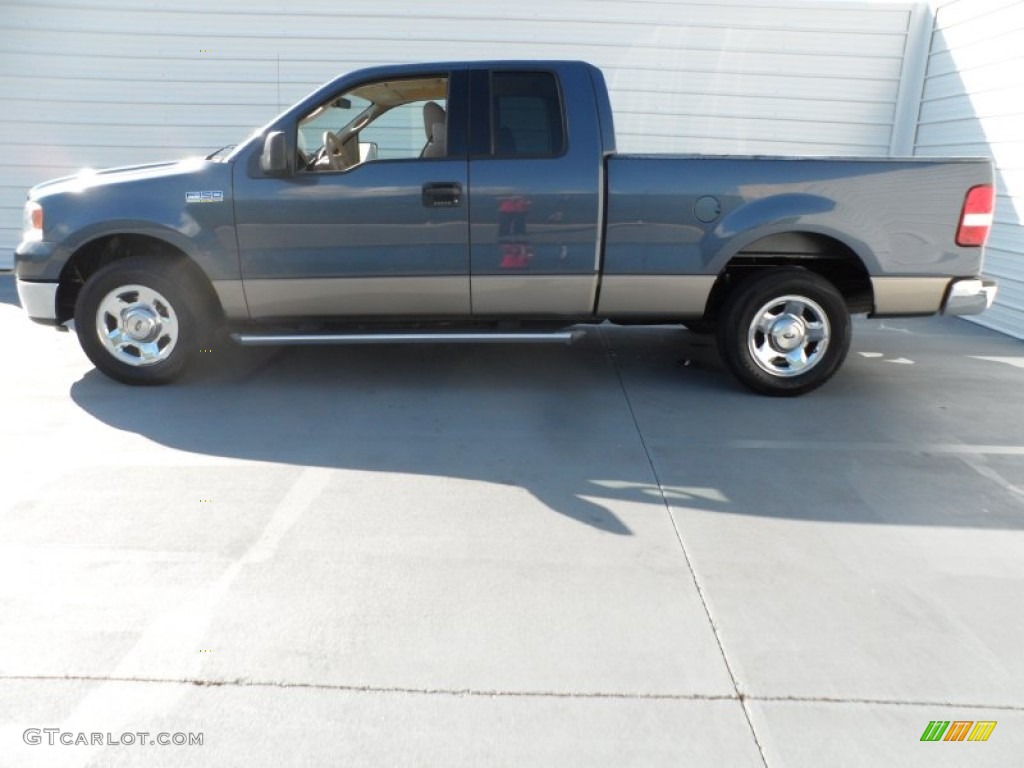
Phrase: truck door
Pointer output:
(374, 220)
(535, 192)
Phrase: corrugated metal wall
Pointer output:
(109, 82)
(973, 104)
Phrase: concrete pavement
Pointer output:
(603, 554)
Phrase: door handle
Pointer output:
(443, 194)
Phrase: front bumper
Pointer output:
(969, 296)
(38, 299)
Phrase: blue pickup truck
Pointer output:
(485, 201)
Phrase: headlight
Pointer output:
(32, 226)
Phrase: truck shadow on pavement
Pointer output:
(625, 415)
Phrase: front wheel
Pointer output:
(784, 332)
(138, 321)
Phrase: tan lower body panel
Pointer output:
(654, 295)
(534, 294)
(232, 299)
(908, 295)
(358, 296)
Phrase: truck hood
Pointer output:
(88, 179)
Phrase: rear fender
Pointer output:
(781, 214)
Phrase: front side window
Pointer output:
(385, 120)
(526, 117)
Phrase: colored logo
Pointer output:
(958, 730)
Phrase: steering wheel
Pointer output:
(335, 153)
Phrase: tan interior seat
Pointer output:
(434, 125)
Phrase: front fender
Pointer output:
(188, 205)
(46, 260)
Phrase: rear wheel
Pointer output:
(140, 321)
(784, 332)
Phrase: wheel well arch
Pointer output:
(822, 254)
(108, 248)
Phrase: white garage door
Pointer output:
(973, 104)
(113, 82)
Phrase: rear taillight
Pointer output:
(976, 219)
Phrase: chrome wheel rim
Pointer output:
(137, 325)
(788, 336)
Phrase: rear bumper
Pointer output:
(969, 296)
(39, 300)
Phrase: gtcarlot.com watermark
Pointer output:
(54, 736)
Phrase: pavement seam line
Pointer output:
(682, 547)
(884, 702)
(483, 693)
(383, 689)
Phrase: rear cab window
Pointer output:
(526, 117)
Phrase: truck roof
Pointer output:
(412, 69)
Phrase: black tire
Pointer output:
(141, 321)
(769, 312)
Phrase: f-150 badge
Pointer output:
(212, 196)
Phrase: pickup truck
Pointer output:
(485, 201)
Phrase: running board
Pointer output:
(482, 337)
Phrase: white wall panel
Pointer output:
(973, 104)
(93, 83)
